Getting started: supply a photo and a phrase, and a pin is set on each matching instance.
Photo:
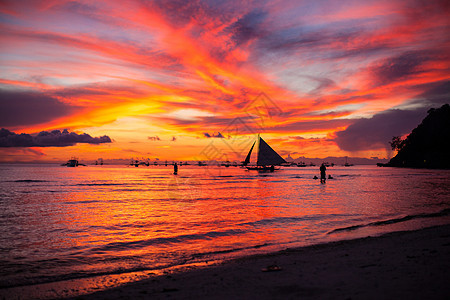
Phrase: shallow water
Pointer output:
(61, 223)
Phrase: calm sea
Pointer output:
(60, 223)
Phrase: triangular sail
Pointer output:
(247, 159)
(267, 156)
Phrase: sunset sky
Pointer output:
(192, 80)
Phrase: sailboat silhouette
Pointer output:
(267, 157)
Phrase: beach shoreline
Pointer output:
(406, 265)
(402, 265)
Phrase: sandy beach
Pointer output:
(400, 265)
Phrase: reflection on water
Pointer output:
(61, 223)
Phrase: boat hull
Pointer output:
(262, 168)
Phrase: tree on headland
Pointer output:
(428, 145)
(397, 143)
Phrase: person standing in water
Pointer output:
(323, 175)
(175, 169)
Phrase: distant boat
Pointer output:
(346, 163)
(267, 157)
(226, 164)
(137, 163)
(73, 162)
(134, 162)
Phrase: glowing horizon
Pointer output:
(168, 79)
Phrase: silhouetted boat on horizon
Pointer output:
(73, 162)
(267, 157)
(346, 162)
(137, 163)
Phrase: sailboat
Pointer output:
(267, 157)
(346, 163)
(73, 162)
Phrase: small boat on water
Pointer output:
(137, 163)
(226, 164)
(346, 163)
(267, 157)
(73, 162)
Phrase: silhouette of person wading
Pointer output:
(175, 169)
(323, 175)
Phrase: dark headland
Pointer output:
(428, 145)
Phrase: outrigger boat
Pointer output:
(73, 162)
(267, 157)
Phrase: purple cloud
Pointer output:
(53, 138)
(435, 92)
(366, 134)
(402, 66)
(214, 135)
(28, 108)
(248, 27)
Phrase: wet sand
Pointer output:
(400, 265)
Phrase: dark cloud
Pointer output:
(418, 10)
(53, 138)
(131, 150)
(248, 27)
(303, 126)
(80, 91)
(294, 39)
(366, 134)
(214, 135)
(314, 42)
(96, 89)
(330, 113)
(180, 12)
(437, 93)
(154, 138)
(323, 83)
(401, 66)
(77, 7)
(28, 108)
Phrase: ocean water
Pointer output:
(59, 223)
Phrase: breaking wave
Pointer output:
(442, 213)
